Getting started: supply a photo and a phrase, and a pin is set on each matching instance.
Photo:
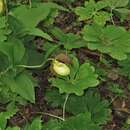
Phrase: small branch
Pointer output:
(113, 100)
(6, 7)
(112, 17)
(30, 3)
(64, 106)
(36, 66)
(49, 114)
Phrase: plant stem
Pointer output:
(6, 7)
(36, 66)
(64, 106)
(51, 115)
(112, 17)
(30, 3)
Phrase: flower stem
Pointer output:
(64, 106)
(51, 115)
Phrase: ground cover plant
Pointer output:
(64, 65)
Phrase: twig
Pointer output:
(30, 3)
(49, 114)
(112, 17)
(64, 106)
(113, 100)
(6, 7)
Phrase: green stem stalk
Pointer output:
(64, 106)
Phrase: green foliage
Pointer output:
(111, 40)
(81, 77)
(4, 116)
(35, 125)
(125, 67)
(117, 90)
(31, 38)
(93, 10)
(53, 124)
(80, 122)
(69, 41)
(90, 102)
(4, 31)
(119, 7)
(31, 17)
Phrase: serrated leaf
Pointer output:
(85, 78)
(52, 124)
(69, 40)
(80, 122)
(101, 17)
(90, 102)
(87, 11)
(117, 3)
(111, 40)
(54, 98)
(91, 10)
(35, 125)
(4, 116)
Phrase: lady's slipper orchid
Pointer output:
(2, 6)
(60, 68)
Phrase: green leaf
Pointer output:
(30, 17)
(85, 78)
(111, 40)
(117, 3)
(117, 90)
(52, 124)
(90, 102)
(54, 98)
(101, 17)
(4, 116)
(35, 125)
(39, 32)
(92, 10)
(25, 87)
(87, 11)
(20, 84)
(125, 67)
(80, 122)
(69, 40)
(14, 128)
(13, 49)
(4, 30)
(18, 51)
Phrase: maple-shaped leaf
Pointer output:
(90, 102)
(68, 40)
(112, 40)
(82, 121)
(81, 77)
(92, 10)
